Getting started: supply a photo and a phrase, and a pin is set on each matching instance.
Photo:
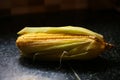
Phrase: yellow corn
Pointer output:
(49, 43)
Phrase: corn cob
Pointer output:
(49, 43)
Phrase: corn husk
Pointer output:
(49, 43)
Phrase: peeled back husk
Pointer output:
(49, 43)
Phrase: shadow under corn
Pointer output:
(95, 65)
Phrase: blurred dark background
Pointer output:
(16, 14)
(101, 16)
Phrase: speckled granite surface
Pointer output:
(105, 67)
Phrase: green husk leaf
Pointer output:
(61, 30)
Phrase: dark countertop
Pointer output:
(104, 67)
